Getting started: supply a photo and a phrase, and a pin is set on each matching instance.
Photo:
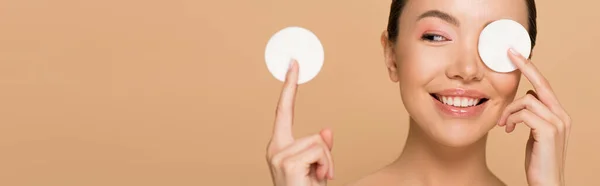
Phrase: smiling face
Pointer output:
(446, 88)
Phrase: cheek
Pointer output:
(417, 67)
(506, 85)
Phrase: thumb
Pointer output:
(327, 135)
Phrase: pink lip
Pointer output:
(460, 112)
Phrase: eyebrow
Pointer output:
(442, 15)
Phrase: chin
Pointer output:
(457, 133)
(454, 133)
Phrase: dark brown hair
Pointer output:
(398, 5)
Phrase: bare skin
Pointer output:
(436, 51)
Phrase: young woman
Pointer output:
(452, 98)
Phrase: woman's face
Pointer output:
(446, 88)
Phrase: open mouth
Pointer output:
(459, 101)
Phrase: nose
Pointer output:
(467, 66)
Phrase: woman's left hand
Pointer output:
(550, 126)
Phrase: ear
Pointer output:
(389, 55)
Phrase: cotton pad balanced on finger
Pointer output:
(294, 43)
(497, 38)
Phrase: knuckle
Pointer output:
(553, 132)
(529, 100)
(288, 166)
(269, 153)
(529, 97)
(521, 114)
(271, 149)
(275, 160)
(560, 129)
(568, 122)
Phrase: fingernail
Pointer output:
(291, 63)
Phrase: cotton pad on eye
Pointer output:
(294, 43)
(497, 38)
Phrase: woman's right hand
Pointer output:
(297, 162)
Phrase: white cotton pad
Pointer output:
(294, 43)
(497, 38)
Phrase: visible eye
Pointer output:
(434, 38)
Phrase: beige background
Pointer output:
(132, 92)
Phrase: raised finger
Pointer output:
(282, 132)
(540, 83)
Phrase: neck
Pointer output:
(432, 163)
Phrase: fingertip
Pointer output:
(293, 64)
(514, 52)
(327, 135)
(292, 71)
(326, 132)
(502, 120)
(516, 57)
(510, 129)
(322, 173)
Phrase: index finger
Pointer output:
(539, 82)
(284, 116)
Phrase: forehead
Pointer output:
(469, 12)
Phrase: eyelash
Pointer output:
(434, 38)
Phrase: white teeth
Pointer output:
(459, 101)
(464, 102)
(456, 102)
